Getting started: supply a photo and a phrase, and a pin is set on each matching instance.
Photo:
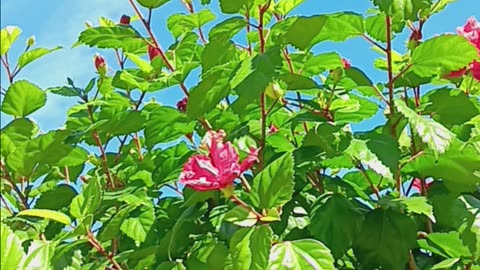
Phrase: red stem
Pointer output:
(94, 242)
(389, 65)
(7, 68)
(242, 204)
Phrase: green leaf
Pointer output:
(340, 27)
(123, 123)
(273, 186)
(376, 27)
(250, 248)
(322, 62)
(48, 214)
(16, 133)
(8, 36)
(46, 149)
(449, 107)
(232, 6)
(115, 37)
(152, 3)
(87, 201)
(458, 169)
(402, 10)
(254, 75)
(384, 240)
(366, 110)
(205, 96)
(169, 163)
(240, 217)
(11, 250)
(57, 198)
(32, 55)
(65, 91)
(111, 229)
(328, 138)
(166, 124)
(360, 151)
(211, 255)
(449, 244)
(285, 7)
(23, 98)
(139, 224)
(443, 54)
(300, 254)
(335, 223)
(304, 30)
(418, 205)
(227, 29)
(446, 264)
(440, 5)
(39, 255)
(436, 136)
(139, 62)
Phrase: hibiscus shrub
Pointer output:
(262, 164)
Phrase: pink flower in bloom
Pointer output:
(219, 168)
(182, 105)
(346, 64)
(153, 52)
(471, 31)
(125, 20)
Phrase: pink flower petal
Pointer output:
(250, 160)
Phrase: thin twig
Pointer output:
(94, 242)
(369, 180)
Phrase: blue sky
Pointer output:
(58, 22)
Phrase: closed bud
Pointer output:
(31, 41)
(100, 64)
(346, 64)
(182, 105)
(153, 52)
(125, 20)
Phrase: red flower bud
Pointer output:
(182, 105)
(125, 20)
(100, 64)
(346, 64)
(272, 129)
(189, 137)
(153, 52)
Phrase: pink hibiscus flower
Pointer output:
(219, 168)
(471, 31)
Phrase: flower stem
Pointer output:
(241, 203)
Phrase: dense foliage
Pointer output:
(258, 167)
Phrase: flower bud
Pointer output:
(272, 129)
(125, 20)
(346, 64)
(153, 52)
(31, 41)
(100, 64)
(182, 105)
